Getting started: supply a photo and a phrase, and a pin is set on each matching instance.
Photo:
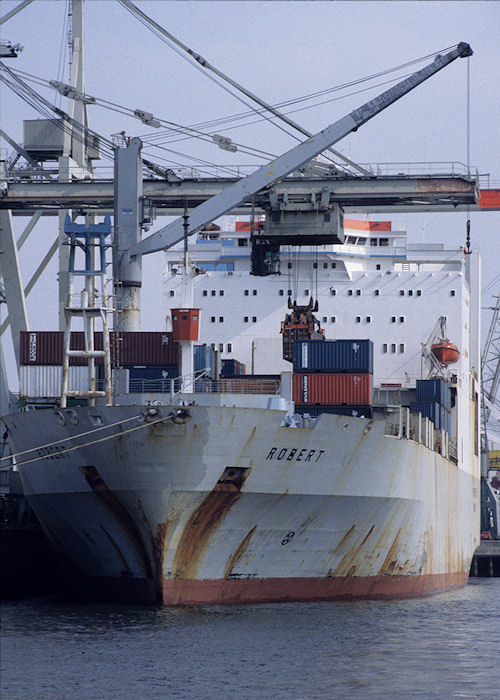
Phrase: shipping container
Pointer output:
(333, 356)
(331, 389)
(432, 410)
(232, 368)
(429, 390)
(151, 378)
(355, 411)
(205, 358)
(128, 348)
(291, 335)
(44, 381)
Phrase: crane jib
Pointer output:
(276, 170)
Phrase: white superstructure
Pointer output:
(376, 285)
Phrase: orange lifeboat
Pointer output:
(445, 352)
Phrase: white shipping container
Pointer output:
(44, 381)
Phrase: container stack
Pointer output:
(434, 402)
(232, 368)
(146, 356)
(333, 376)
(206, 358)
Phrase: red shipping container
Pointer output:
(331, 389)
(128, 348)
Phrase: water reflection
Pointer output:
(442, 646)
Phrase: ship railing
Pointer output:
(422, 169)
(402, 424)
(237, 385)
(204, 385)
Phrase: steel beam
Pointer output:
(34, 279)
(11, 273)
(355, 194)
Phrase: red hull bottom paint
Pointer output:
(278, 590)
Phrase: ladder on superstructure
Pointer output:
(90, 305)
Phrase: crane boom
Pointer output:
(269, 174)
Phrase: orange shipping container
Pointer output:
(331, 389)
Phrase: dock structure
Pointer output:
(486, 560)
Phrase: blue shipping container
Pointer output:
(205, 357)
(429, 390)
(438, 414)
(355, 411)
(231, 368)
(152, 378)
(333, 356)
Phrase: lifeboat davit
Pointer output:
(445, 352)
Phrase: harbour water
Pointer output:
(445, 646)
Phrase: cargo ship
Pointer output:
(326, 446)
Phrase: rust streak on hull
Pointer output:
(205, 520)
(234, 559)
(108, 498)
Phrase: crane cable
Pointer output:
(467, 226)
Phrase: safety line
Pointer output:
(71, 437)
(86, 444)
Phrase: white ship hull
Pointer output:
(231, 507)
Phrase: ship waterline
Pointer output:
(232, 506)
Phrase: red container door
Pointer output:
(331, 389)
